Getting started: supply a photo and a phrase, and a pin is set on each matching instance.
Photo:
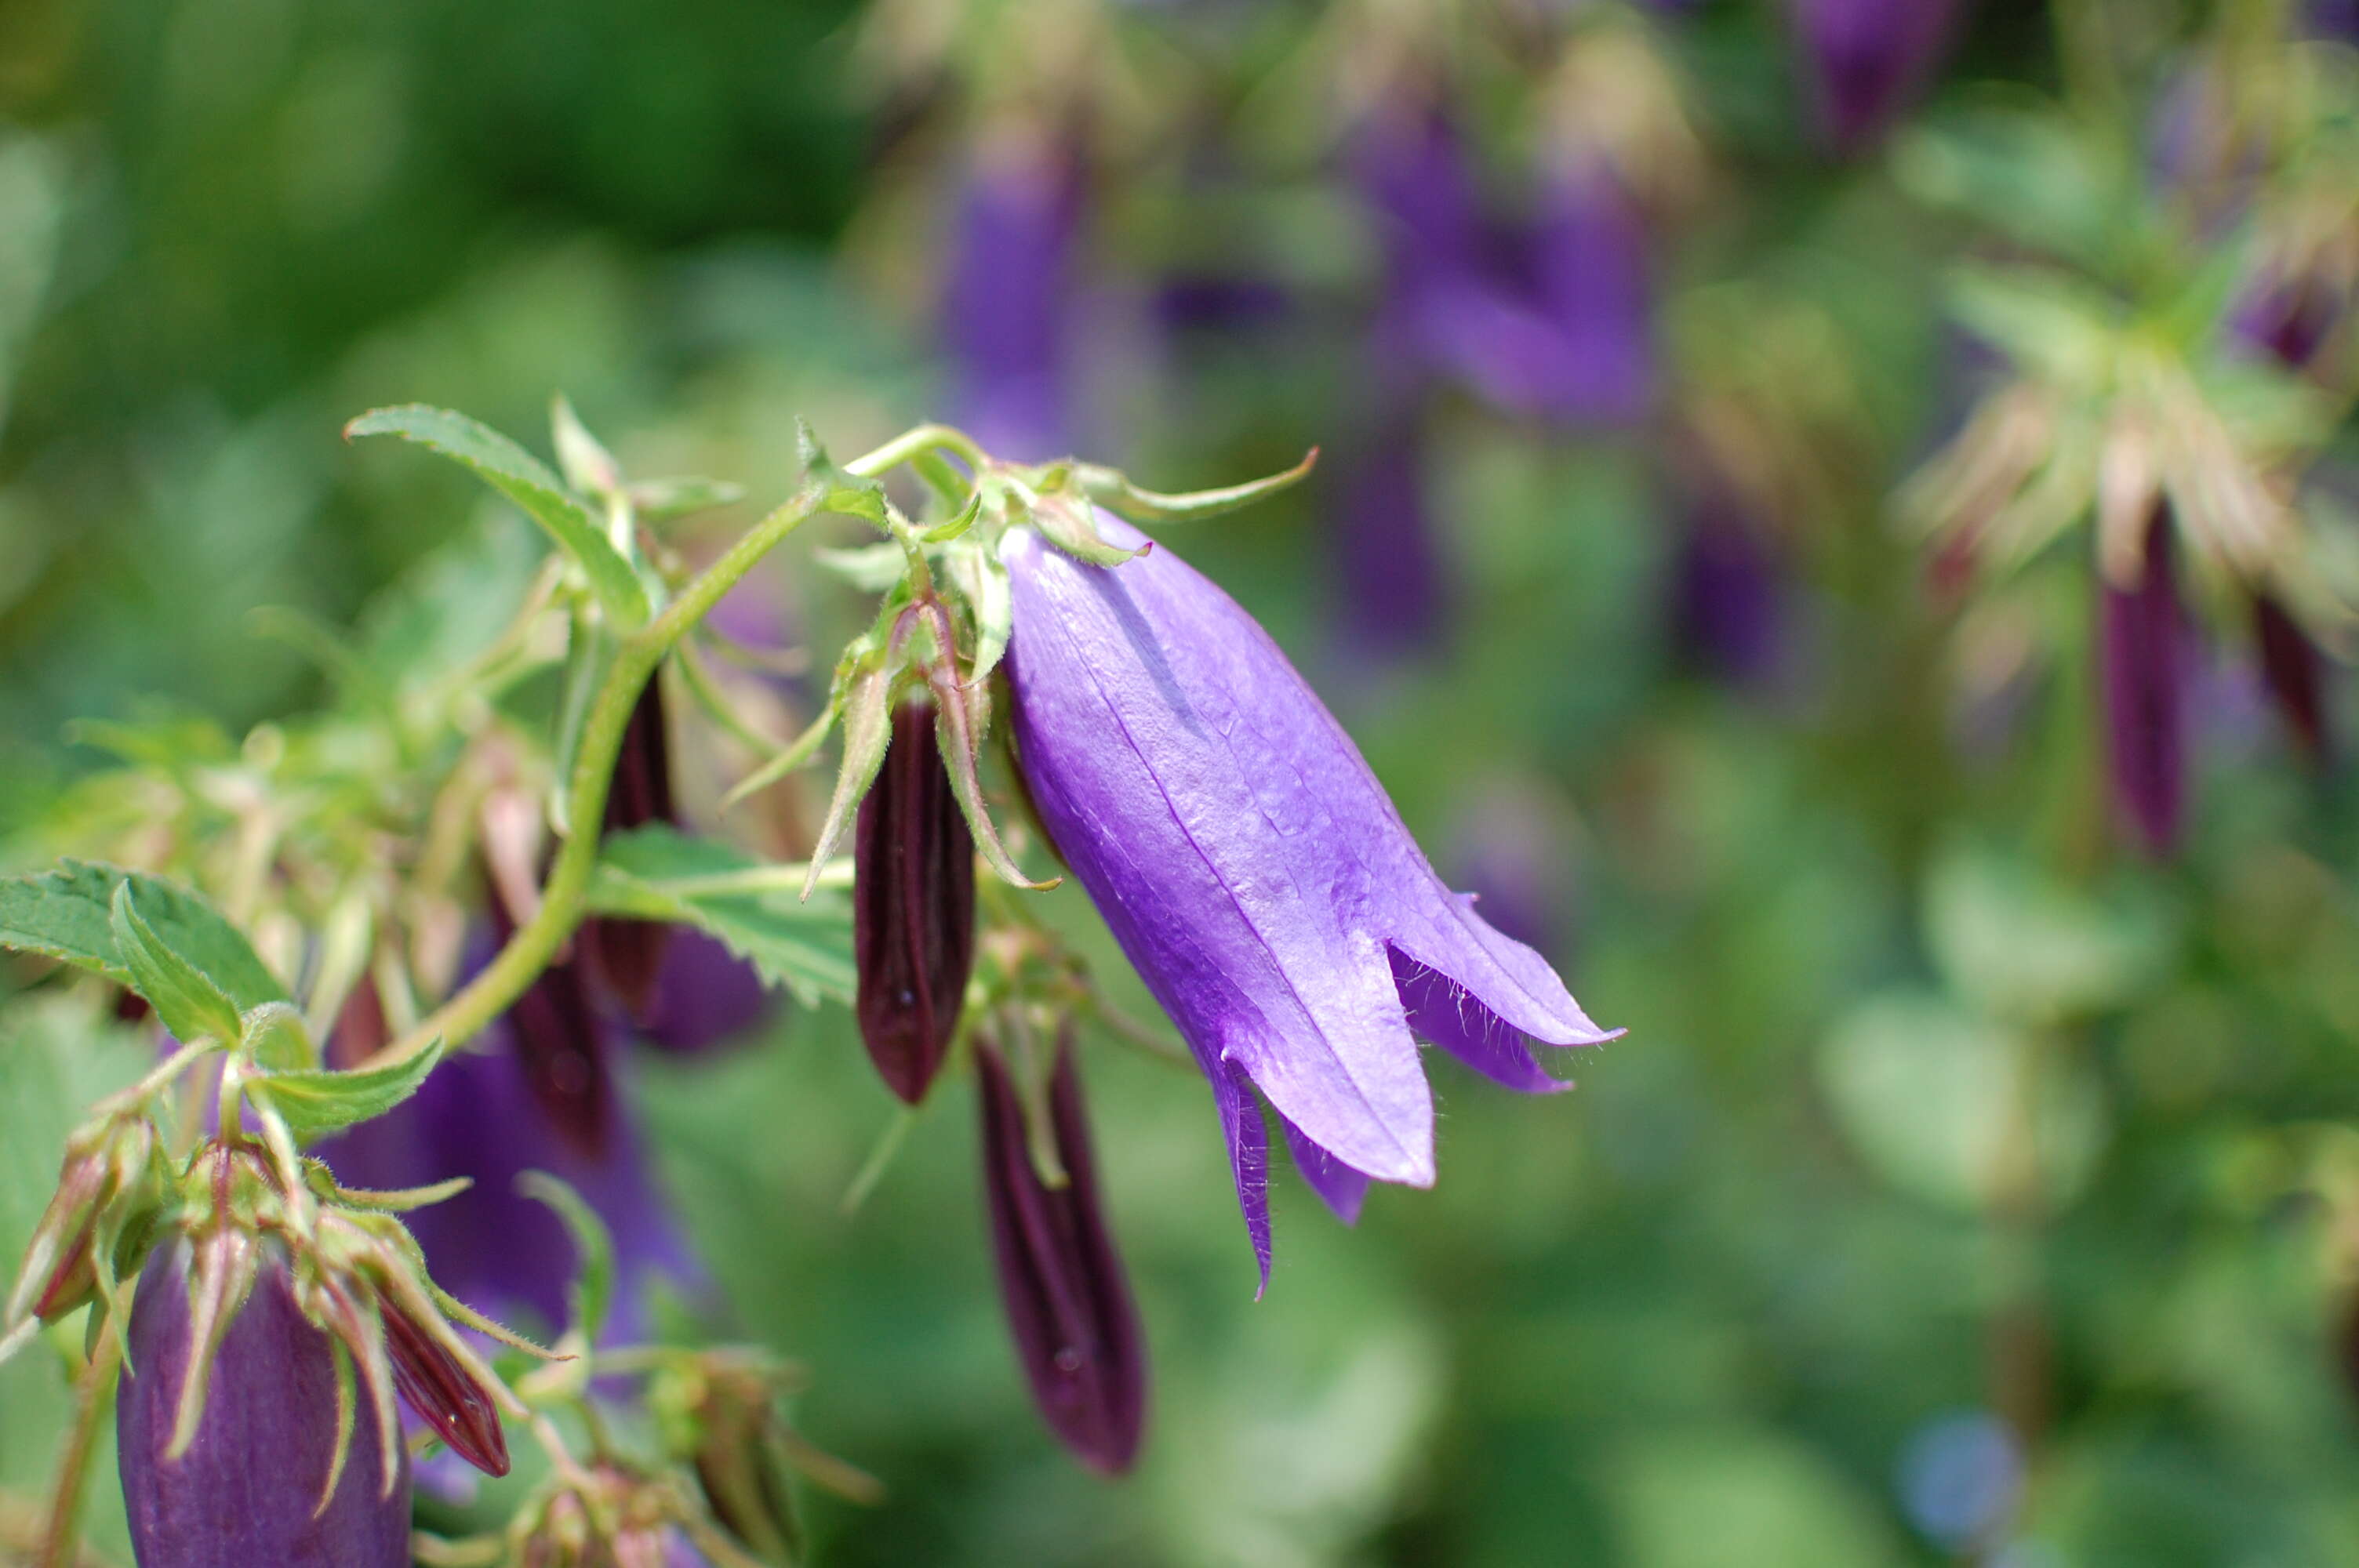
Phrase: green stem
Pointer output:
(65, 1502)
(564, 898)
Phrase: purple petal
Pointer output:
(245, 1492)
(1395, 595)
(1444, 1013)
(1245, 857)
(1867, 58)
(1339, 1186)
(1009, 306)
(703, 996)
(1249, 1141)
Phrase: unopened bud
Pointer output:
(913, 908)
(2145, 650)
(450, 1400)
(629, 953)
(1069, 1304)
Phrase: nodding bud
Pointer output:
(446, 1396)
(559, 1037)
(1069, 1306)
(629, 953)
(2293, 673)
(268, 1477)
(912, 908)
(105, 1177)
(2146, 691)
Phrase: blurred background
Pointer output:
(1834, 518)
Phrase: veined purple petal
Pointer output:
(1247, 861)
(1339, 1186)
(1247, 1136)
(2145, 692)
(1867, 58)
(245, 1492)
(1447, 1014)
(1069, 1304)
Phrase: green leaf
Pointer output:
(1112, 489)
(192, 1006)
(588, 467)
(593, 1283)
(842, 492)
(659, 874)
(521, 476)
(318, 1101)
(68, 913)
(1064, 512)
(275, 1039)
(872, 568)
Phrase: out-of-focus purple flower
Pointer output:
(1550, 319)
(1069, 1304)
(1727, 610)
(1508, 852)
(559, 1028)
(2294, 672)
(1867, 59)
(1008, 310)
(912, 908)
(1389, 568)
(2145, 658)
(1254, 873)
(703, 995)
(483, 1113)
(250, 1489)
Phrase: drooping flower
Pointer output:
(628, 954)
(703, 995)
(1256, 874)
(1069, 1304)
(254, 1486)
(1867, 58)
(912, 908)
(2143, 647)
(1008, 305)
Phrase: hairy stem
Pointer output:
(564, 898)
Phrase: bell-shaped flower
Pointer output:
(1008, 307)
(1255, 874)
(1069, 1304)
(264, 1480)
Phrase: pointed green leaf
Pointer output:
(983, 581)
(318, 1101)
(588, 467)
(866, 709)
(1068, 518)
(521, 476)
(593, 1283)
(275, 1039)
(67, 913)
(1111, 489)
(192, 1006)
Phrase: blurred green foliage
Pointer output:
(1936, 1106)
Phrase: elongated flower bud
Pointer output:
(2293, 673)
(2146, 700)
(249, 1489)
(561, 1040)
(912, 908)
(629, 953)
(1069, 1304)
(445, 1395)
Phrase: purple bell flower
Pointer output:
(1007, 308)
(703, 995)
(1069, 1304)
(2145, 657)
(1867, 59)
(1395, 598)
(1257, 875)
(248, 1491)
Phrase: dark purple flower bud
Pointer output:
(1867, 59)
(2146, 691)
(629, 953)
(444, 1394)
(560, 1038)
(1069, 1304)
(912, 908)
(2294, 672)
(249, 1489)
(1252, 868)
(1008, 305)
